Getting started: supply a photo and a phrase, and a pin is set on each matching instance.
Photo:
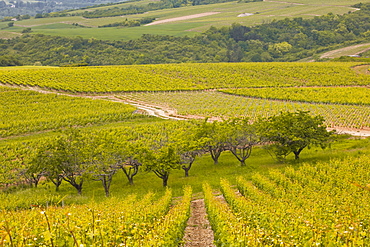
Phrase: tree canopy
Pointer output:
(291, 132)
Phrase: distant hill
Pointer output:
(173, 17)
(288, 39)
(15, 8)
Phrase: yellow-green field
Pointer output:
(321, 200)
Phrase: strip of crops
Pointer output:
(338, 95)
(186, 76)
(114, 222)
(28, 111)
(329, 207)
(208, 104)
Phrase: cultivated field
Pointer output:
(82, 118)
(228, 13)
(333, 90)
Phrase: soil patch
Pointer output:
(182, 18)
(334, 53)
(198, 232)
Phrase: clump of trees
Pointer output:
(292, 132)
(76, 156)
(130, 23)
(9, 61)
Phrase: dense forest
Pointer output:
(283, 40)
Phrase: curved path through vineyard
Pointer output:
(166, 112)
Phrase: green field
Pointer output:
(226, 15)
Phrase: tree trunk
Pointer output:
(186, 172)
(297, 153)
(187, 168)
(165, 179)
(163, 175)
(242, 162)
(77, 186)
(57, 182)
(243, 153)
(215, 154)
(130, 172)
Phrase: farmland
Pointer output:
(77, 114)
(174, 77)
(243, 89)
(263, 12)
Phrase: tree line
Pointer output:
(283, 40)
(9, 61)
(76, 156)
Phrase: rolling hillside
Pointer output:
(180, 21)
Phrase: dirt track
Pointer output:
(182, 18)
(168, 113)
(331, 54)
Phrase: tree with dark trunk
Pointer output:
(213, 137)
(187, 160)
(242, 136)
(130, 168)
(74, 156)
(293, 132)
(161, 155)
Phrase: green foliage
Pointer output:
(9, 61)
(280, 40)
(292, 132)
(130, 23)
(27, 30)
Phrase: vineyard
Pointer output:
(104, 176)
(24, 111)
(254, 90)
(321, 205)
(325, 204)
(216, 104)
(132, 221)
(334, 95)
(172, 77)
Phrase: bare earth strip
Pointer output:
(198, 232)
(182, 18)
(334, 53)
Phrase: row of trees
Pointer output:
(76, 155)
